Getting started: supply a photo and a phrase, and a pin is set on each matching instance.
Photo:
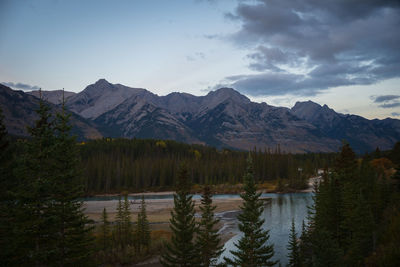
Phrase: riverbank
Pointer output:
(158, 210)
(220, 189)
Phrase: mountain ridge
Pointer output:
(226, 118)
(19, 112)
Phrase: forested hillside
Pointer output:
(355, 217)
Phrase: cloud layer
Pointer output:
(387, 101)
(21, 86)
(305, 46)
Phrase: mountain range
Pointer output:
(222, 118)
(19, 112)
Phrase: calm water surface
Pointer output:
(278, 214)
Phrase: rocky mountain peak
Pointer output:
(311, 111)
(216, 97)
(102, 82)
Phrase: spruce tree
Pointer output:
(36, 225)
(74, 242)
(293, 247)
(126, 226)
(304, 246)
(252, 249)
(181, 250)
(104, 233)
(8, 241)
(119, 224)
(143, 228)
(208, 240)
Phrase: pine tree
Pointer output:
(8, 240)
(126, 226)
(304, 245)
(143, 228)
(208, 241)
(181, 251)
(119, 224)
(74, 241)
(104, 233)
(293, 247)
(35, 227)
(252, 249)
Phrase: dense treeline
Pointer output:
(355, 219)
(113, 165)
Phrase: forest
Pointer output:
(114, 165)
(354, 221)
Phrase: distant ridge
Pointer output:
(226, 118)
(19, 112)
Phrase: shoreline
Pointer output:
(221, 189)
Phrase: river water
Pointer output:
(278, 214)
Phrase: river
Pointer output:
(278, 214)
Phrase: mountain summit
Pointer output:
(226, 118)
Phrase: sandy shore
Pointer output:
(158, 210)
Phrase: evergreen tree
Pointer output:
(36, 225)
(74, 241)
(181, 251)
(8, 240)
(208, 241)
(127, 225)
(143, 228)
(252, 249)
(104, 233)
(304, 245)
(119, 224)
(293, 247)
(326, 250)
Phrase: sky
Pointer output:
(343, 53)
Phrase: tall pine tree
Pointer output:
(119, 224)
(208, 241)
(127, 225)
(74, 241)
(36, 226)
(293, 247)
(8, 240)
(143, 228)
(252, 249)
(181, 251)
(104, 232)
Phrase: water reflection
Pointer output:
(278, 214)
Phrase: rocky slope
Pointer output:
(222, 118)
(363, 134)
(54, 97)
(19, 112)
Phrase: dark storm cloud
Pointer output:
(22, 86)
(342, 42)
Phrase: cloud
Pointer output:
(21, 86)
(386, 101)
(385, 98)
(395, 114)
(311, 46)
(390, 105)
